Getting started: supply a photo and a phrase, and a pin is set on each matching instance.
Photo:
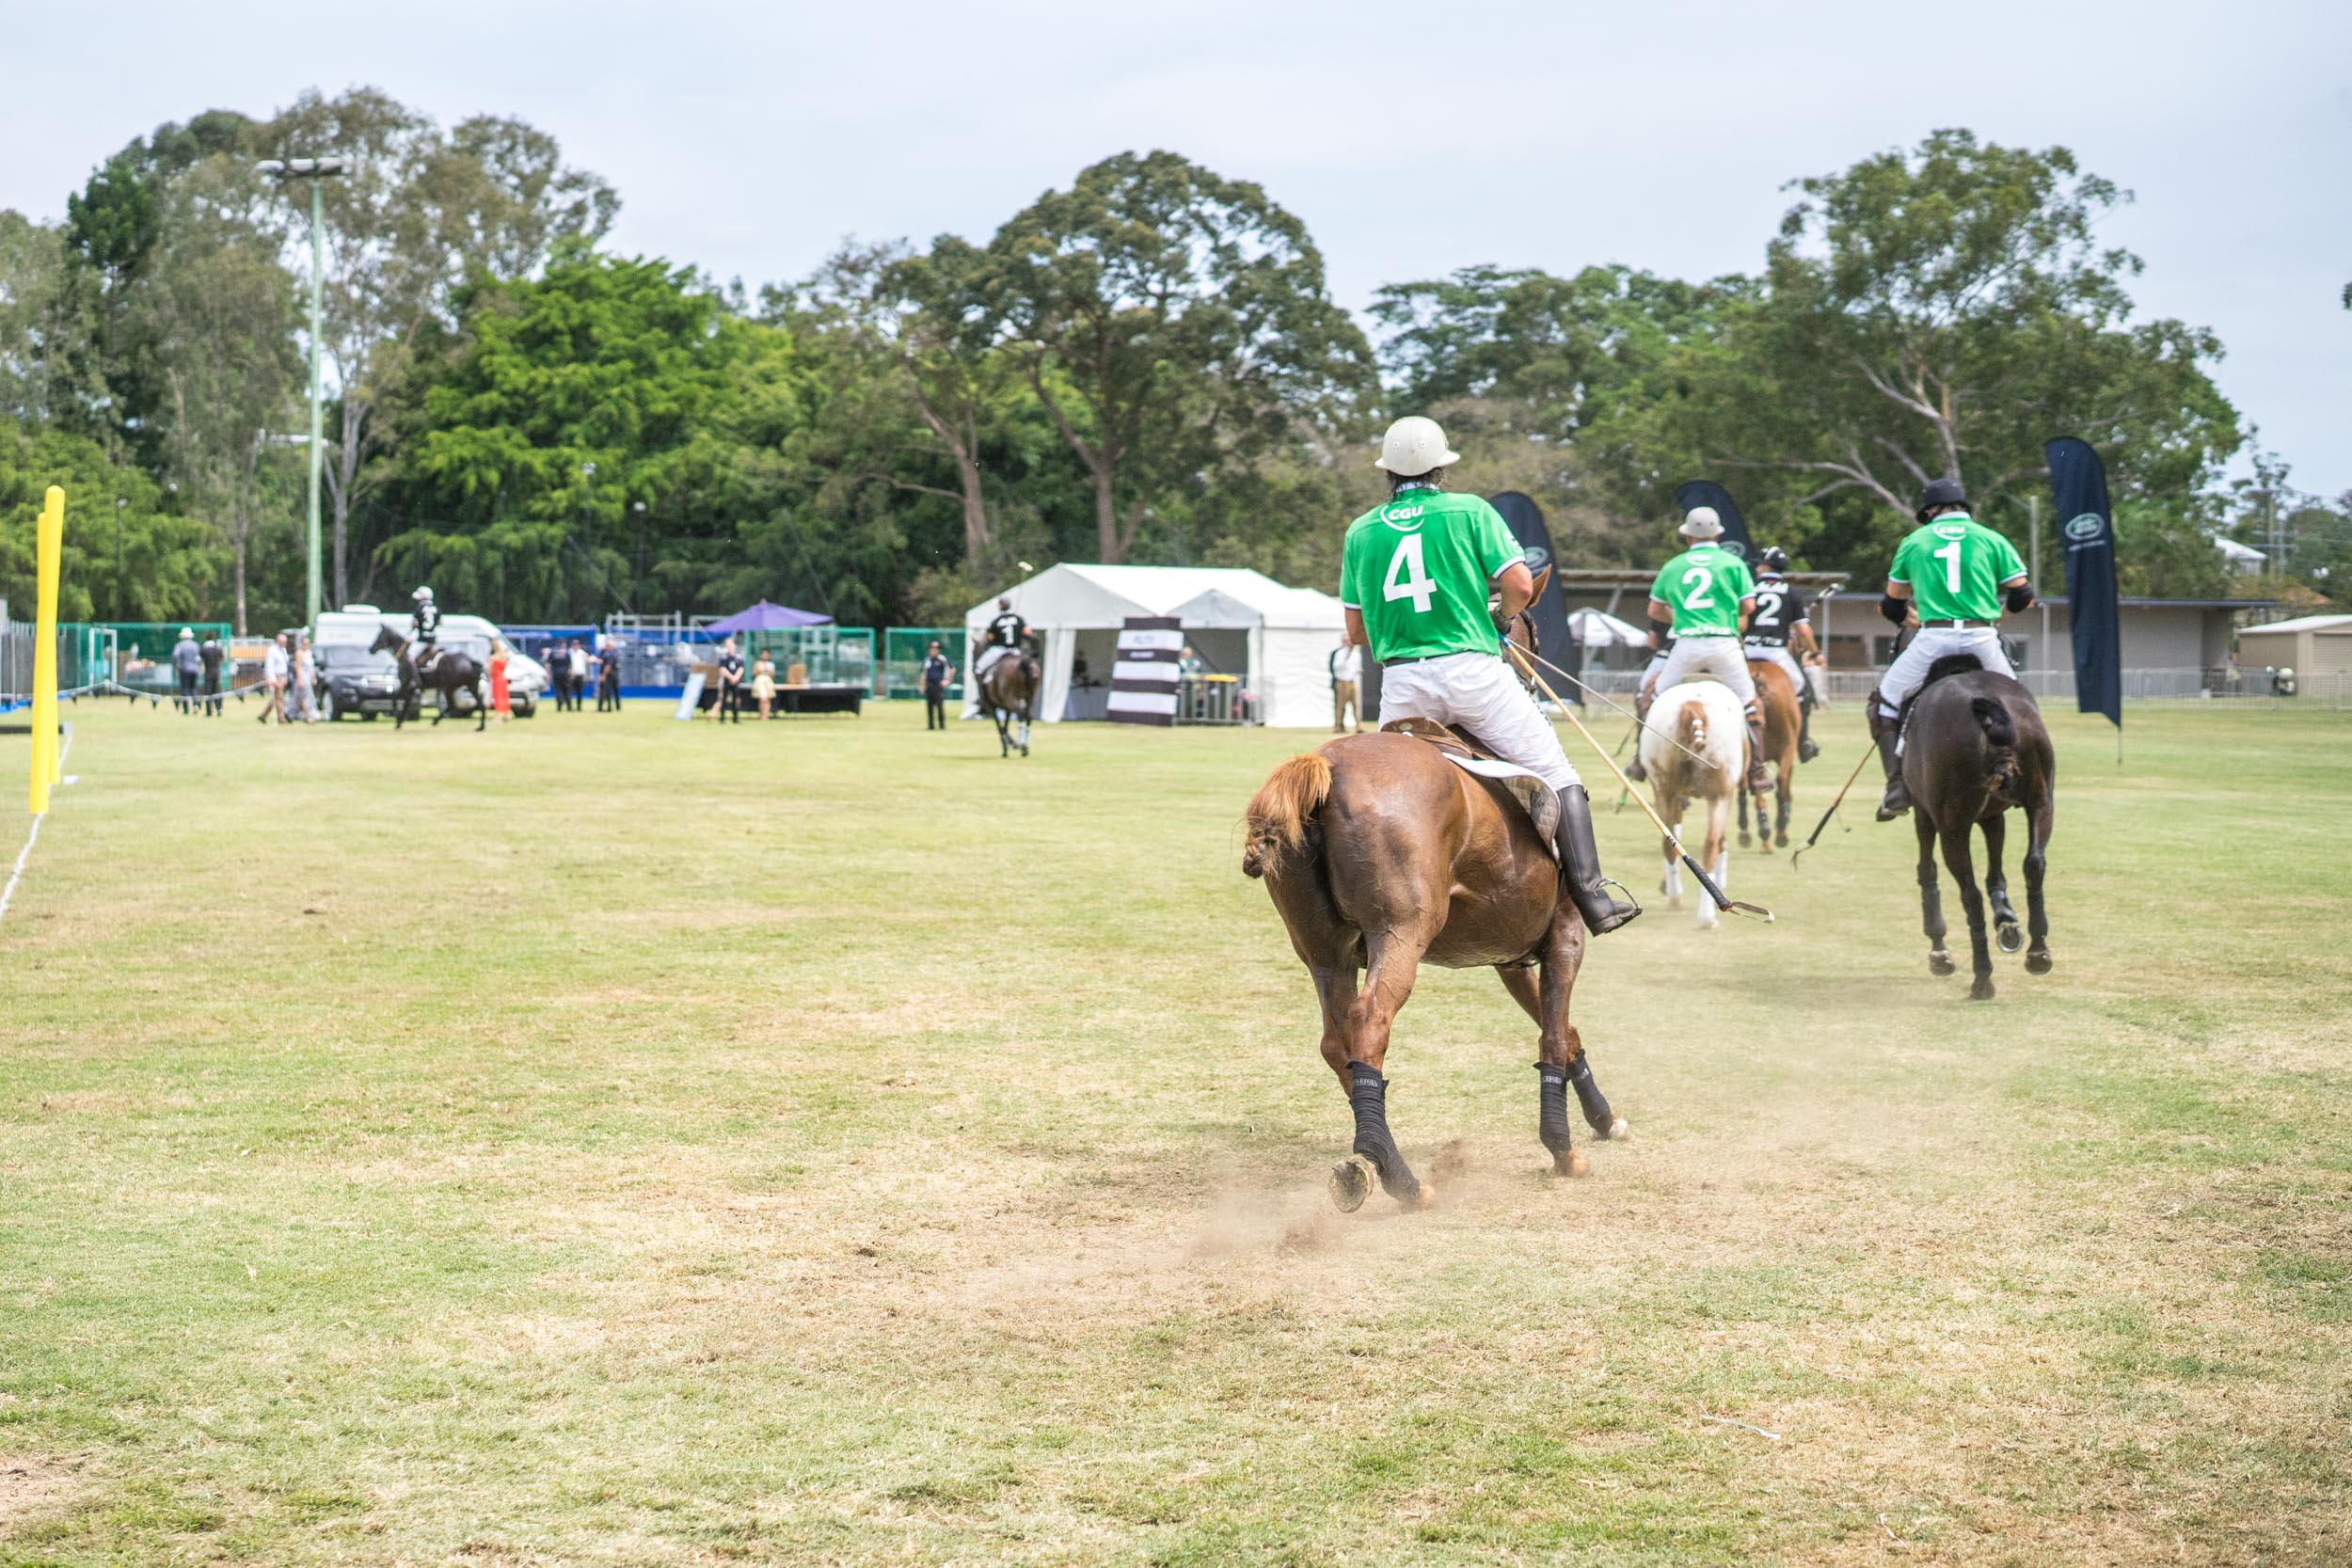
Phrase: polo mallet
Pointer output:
(1723, 901)
(1833, 808)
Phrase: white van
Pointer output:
(526, 677)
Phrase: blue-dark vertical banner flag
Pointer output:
(2079, 482)
(1706, 492)
(1550, 611)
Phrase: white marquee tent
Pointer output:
(1241, 622)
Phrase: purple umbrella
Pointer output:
(764, 616)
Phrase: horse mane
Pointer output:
(1279, 812)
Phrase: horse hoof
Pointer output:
(1423, 1199)
(1939, 963)
(1744, 841)
(1351, 1183)
(1982, 990)
(1620, 1131)
(2010, 935)
(2037, 963)
(1572, 1163)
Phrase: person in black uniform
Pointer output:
(609, 678)
(1780, 620)
(730, 683)
(424, 627)
(935, 670)
(1005, 634)
(209, 654)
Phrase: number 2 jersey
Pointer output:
(1779, 606)
(1703, 587)
(1420, 568)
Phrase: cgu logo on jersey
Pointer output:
(1950, 530)
(1398, 516)
(2086, 528)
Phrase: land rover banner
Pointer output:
(2087, 528)
(1706, 492)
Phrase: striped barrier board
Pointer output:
(1144, 684)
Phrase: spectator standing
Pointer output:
(502, 701)
(935, 688)
(608, 677)
(274, 681)
(558, 661)
(1347, 668)
(185, 664)
(575, 671)
(211, 654)
(302, 689)
(764, 684)
(730, 684)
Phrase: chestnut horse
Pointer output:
(1783, 721)
(1380, 854)
(1007, 694)
(1974, 746)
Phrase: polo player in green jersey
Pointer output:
(1415, 576)
(1706, 598)
(1959, 576)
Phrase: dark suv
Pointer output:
(353, 680)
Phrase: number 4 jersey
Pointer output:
(1420, 569)
(1955, 567)
(1703, 587)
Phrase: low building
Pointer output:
(2310, 645)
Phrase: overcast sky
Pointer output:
(1411, 138)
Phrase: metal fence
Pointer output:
(903, 650)
(2223, 684)
(822, 656)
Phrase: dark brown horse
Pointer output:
(1007, 694)
(449, 673)
(1783, 721)
(1975, 747)
(1381, 855)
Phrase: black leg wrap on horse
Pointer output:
(1551, 1107)
(1368, 1096)
(1596, 1105)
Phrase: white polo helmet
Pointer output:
(1415, 445)
(188, 632)
(423, 593)
(1701, 522)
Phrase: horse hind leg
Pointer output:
(1759, 822)
(2037, 859)
(1336, 989)
(2007, 934)
(1932, 898)
(1958, 861)
(1393, 958)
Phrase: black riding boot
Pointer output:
(1898, 799)
(1759, 778)
(1580, 866)
(1806, 750)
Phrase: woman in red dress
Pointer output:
(498, 703)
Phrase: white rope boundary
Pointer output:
(9, 893)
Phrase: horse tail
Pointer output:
(1993, 718)
(1279, 812)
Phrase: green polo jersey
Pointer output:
(1955, 567)
(1420, 569)
(1703, 586)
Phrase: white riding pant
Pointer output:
(1777, 652)
(1929, 643)
(1720, 657)
(990, 658)
(1479, 693)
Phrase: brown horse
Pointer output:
(1975, 745)
(1783, 721)
(450, 674)
(1007, 694)
(1380, 854)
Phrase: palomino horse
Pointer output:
(1380, 854)
(1694, 747)
(1007, 694)
(1975, 747)
(1783, 718)
(451, 674)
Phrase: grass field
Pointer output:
(619, 1141)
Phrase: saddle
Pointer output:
(1473, 756)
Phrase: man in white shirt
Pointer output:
(274, 681)
(1347, 668)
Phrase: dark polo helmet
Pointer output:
(1940, 491)
(1774, 558)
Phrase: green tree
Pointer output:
(418, 211)
(135, 560)
(1171, 322)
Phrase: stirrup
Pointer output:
(1622, 898)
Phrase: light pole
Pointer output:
(315, 170)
